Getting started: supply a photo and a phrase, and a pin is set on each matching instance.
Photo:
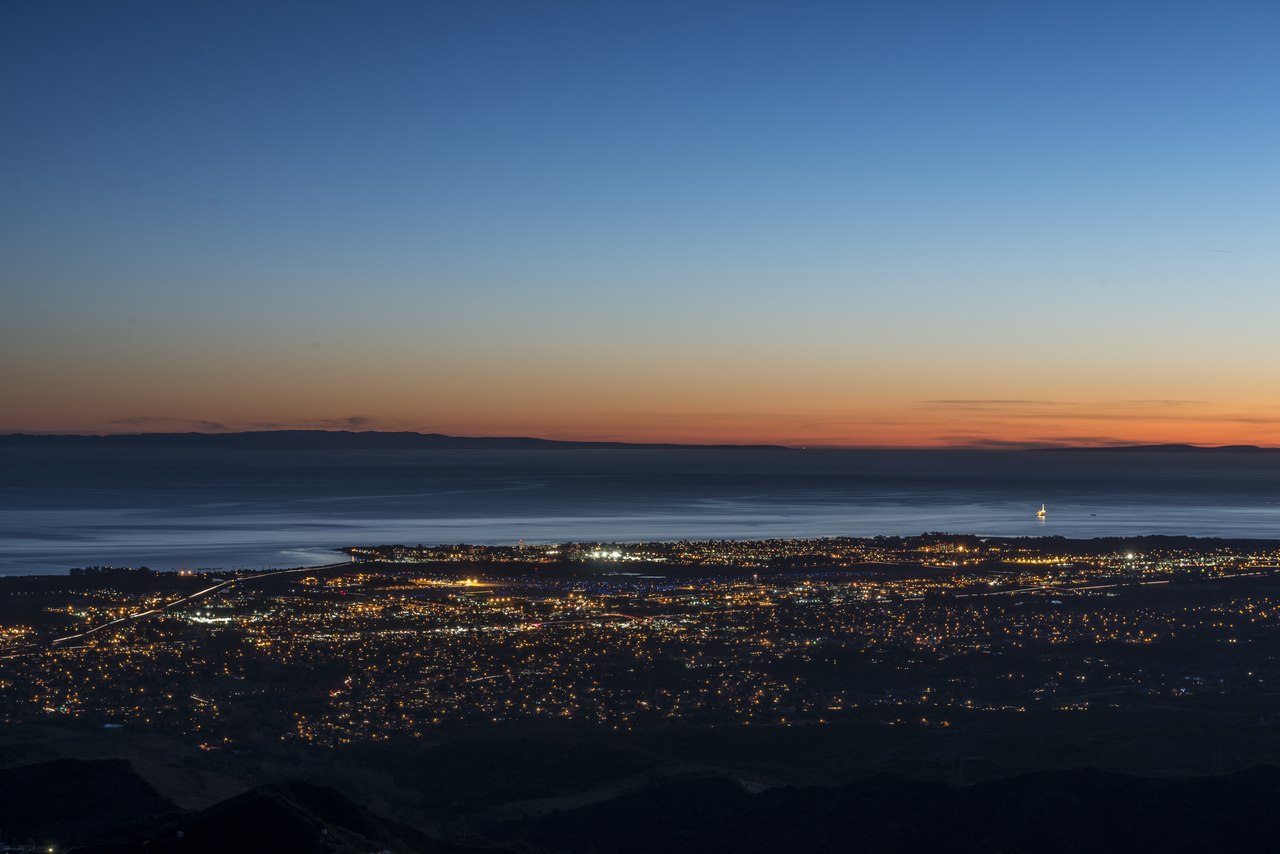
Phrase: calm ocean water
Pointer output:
(170, 508)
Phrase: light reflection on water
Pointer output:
(179, 508)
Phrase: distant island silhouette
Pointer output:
(408, 440)
(336, 440)
(1174, 448)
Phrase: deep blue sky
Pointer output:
(803, 222)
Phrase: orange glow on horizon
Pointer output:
(930, 424)
(831, 392)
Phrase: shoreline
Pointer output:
(538, 553)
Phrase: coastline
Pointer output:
(779, 554)
(224, 509)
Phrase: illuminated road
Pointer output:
(1050, 588)
(231, 582)
(199, 594)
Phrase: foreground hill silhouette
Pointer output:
(103, 807)
(1053, 812)
(69, 799)
(294, 817)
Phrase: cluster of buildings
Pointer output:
(377, 650)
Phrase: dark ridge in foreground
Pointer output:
(71, 799)
(103, 807)
(1049, 812)
(295, 817)
(333, 440)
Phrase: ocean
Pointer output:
(223, 509)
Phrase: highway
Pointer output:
(1051, 588)
(199, 594)
(249, 579)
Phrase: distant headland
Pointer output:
(334, 440)
(1175, 449)
(284, 440)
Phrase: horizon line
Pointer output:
(986, 445)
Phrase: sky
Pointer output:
(869, 224)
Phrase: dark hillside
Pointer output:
(1054, 812)
(68, 799)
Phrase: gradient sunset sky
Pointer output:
(893, 223)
